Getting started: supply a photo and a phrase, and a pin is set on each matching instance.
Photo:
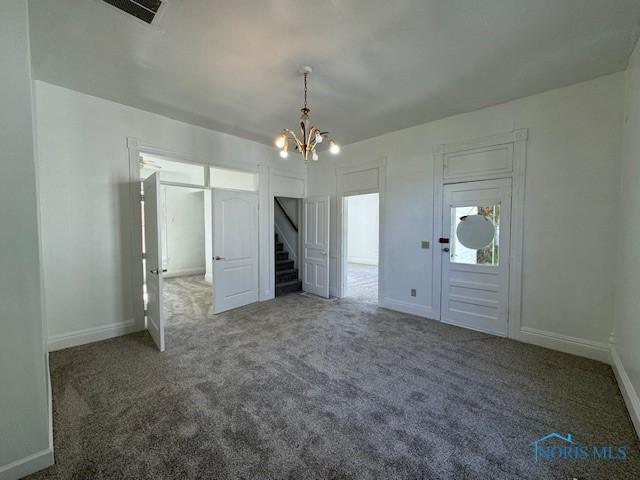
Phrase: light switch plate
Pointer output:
(424, 244)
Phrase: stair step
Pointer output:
(279, 246)
(288, 287)
(283, 265)
(282, 255)
(286, 276)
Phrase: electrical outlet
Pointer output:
(413, 292)
(424, 244)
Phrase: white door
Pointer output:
(315, 265)
(475, 263)
(235, 248)
(153, 251)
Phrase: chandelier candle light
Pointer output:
(310, 136)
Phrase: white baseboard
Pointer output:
(629, 393)
(564, 343)
(185, 272)
(90, 335)
(406, 307)
(27, 465)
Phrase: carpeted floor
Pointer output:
(305, 388)
(362, 282)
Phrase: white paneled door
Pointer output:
(475, 261)
(315, 275)
(235, 248)
(153, 264)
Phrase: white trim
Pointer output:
(629, 393)
(341, 194)
(27, 465)
(564, 343)
(495, 333)
(518, 138)
(90, 335)
(184, 272)
(406, 307)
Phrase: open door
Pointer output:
(235, 248)
(153, 250)
(315, 259)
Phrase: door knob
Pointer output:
(445, 249)
(218, 258)
(154, 271)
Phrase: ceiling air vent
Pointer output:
(145, 10)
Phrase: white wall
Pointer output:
(24, 404)
(362, 229)
(87, 223)
(626, 348)
(183, 229)
(572, 181)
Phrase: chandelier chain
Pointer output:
(305, 91)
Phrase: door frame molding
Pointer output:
(341, 228)
(296, 177)
(517, 140)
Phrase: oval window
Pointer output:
(475, 231)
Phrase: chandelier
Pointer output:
(310, 136)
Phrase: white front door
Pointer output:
(315, 264)
(235, 248)
(153, 251)
(475, 263)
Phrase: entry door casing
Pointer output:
(315, 275)
(153, 252)
(235, 248)
(475, 282)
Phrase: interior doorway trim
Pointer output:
(462, 162)
(135, 147)
(281, 183)
(346, 189)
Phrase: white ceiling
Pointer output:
(379, 65)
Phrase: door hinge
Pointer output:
(146, 313)
(142, 197)
(144, 256)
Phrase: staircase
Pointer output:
(286, 276)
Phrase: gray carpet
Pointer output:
(305, 388)
(362, 282)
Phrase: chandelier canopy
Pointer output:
(310, 136)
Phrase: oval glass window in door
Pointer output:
(475, 231)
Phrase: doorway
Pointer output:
(478, 227)
(476, 220)
(200, 242)
(287, 215)
(361, 218)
